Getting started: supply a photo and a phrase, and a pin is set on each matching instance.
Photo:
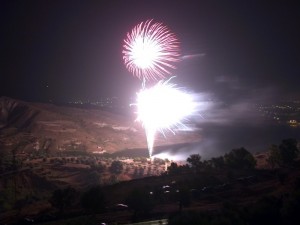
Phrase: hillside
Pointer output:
(47, 127)
(218, 193)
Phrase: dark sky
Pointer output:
(67, 50)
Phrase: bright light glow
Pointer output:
(150, 50)
(163, 107)
(173, 157)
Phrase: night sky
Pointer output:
(69, 50)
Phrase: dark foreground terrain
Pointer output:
(182, 195)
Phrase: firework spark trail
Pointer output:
(163, 107)
(150, 51)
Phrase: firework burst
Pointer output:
(150, 51)
(163, 107)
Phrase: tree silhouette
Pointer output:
(2, 161)
(93, 200)
(240, 158)
(173, 168)
(62, 198)
(140, 201)
(184, 198)
(116, 167)
(288, 150)
(218, 162)
(274, 158)
(195, 161)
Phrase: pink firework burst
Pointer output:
(150, 51)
